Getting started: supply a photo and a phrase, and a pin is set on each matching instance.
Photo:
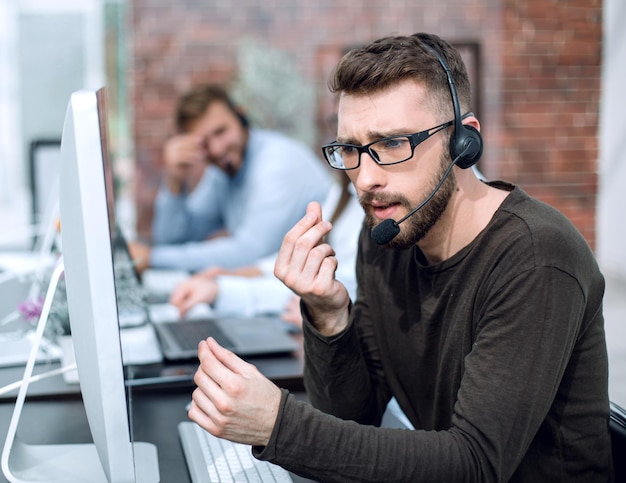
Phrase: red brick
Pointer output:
(539, 76)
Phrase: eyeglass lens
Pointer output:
(386, 151)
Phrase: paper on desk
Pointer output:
(15, 348)
(140, 345)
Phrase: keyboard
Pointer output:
(131, 298)
(211, 459)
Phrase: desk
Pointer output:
(156, 415)
(284, 370)
(54, 412)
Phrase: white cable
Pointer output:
(44, 375)
(10, 317)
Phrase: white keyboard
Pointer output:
(211, 459)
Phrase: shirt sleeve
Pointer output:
(343, 374)
(188, 217)
(322, 447)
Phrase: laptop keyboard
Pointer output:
(189, 334)
(211, 459)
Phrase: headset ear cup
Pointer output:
(468, 137)
(242, 118)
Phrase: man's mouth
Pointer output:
(384, 210)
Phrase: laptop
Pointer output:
(245, 336)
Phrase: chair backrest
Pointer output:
(45, 166)
(617, 424)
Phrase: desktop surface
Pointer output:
(156, 413)
(54, 411)
(285, 370)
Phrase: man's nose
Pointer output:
(212, 147)
(369, 174)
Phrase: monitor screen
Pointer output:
(87, 212)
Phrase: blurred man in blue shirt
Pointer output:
(230, 192)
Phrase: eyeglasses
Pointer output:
(385, 151)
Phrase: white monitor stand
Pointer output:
(56, 463)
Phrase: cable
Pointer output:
(44, 375)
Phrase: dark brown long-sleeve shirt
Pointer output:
(496, 355)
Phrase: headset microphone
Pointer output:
(388, 229)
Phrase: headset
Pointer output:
(243, 119)
(466, 143)
(466, 146)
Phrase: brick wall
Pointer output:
(550, 103)
(538, 75)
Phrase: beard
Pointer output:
(419, 224)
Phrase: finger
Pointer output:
(184, 307)
(315, 208)
(315, 234)
(190, 159)
(207, 375)
(212, 272)
(180, 295)
(230, 363)
(188, 141)
(204, 412)
(289, 241)
(325, 279)
(310, 266)
(226, 357)
(190, 301)
(201, 402)
(310, 219)
(297, 245)
(197, 140)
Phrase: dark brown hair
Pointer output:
(389, 60)
(193, 104)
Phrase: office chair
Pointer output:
(617, 425)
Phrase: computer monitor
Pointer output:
(87, 234)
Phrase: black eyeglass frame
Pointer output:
(415, 140)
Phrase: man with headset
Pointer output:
(230, 191)
(478, 307)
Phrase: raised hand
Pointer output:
(185, 160)
(306, 264)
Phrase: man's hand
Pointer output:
(307, 266)
(203, 286)
(194, 290)
(185, 161)
(233, 399)
(140, 253)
